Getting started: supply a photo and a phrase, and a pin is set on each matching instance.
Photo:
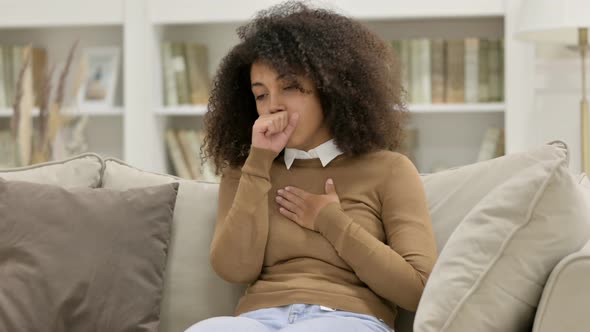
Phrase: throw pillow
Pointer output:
(80, 171)
(453, 193)
(192, 290)
(491, 272)
(82, 259)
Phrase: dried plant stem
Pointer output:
(43, 98)
(21, 124)
(55, 120)
(18, 94)
(36, 149)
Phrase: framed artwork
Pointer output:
(100, 66)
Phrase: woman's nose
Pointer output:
(276, 104)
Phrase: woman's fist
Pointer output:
(272, 131)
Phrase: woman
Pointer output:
(324, 222)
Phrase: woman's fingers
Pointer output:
(292, 207)
(292, 197)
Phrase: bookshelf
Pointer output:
(66, 22)
(135, 128)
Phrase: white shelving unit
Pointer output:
(55, 26)
(134, 130)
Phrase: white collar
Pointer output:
(326, 151)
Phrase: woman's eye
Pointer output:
(294, 87)
(260, 97)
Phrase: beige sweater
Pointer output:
(373, 252)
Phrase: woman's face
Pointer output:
(296, 94)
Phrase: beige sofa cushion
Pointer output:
(82, 259)
(491, 272)
(453, 193)
(192, 290)
(80, 171)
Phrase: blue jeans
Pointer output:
(293, 318)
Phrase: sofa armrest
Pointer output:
(566, 297)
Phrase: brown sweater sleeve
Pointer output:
(241, 231)
(398, 270)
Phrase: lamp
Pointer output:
(565, 22)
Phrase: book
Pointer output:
(197, 61)
(494, 70)
(175, 153)
(492, 145)
(484, 71)
(420, 86)
(471, 70)
(406, 56)
(187, 154)
(438, 74)
(191, 159)
(168, 76)
(425, 64)
(455, 80)
(183, 89)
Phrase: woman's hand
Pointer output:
(303, 207)
(272, 131)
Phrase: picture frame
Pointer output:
(100, 67)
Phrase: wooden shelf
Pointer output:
(457, 108)
(199, 110)
(94, 112)
(190, 110)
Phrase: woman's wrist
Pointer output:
(259, 162)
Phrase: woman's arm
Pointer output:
(239, 241)
(398, 270)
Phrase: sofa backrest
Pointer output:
(192, 291)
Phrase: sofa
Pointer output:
(559, 299)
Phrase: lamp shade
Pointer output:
(554, 21)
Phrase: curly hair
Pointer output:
(356, 73)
